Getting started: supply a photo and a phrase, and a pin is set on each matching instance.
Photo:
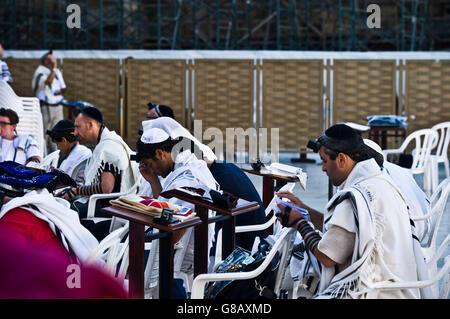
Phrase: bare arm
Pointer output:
(50, 78)
(152, 178)
(52, 65)
(310, 237)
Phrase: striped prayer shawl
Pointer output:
(383, 247)
(4, 72)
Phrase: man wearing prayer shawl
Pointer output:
(71, 153)
(417, 200)
(108, 170)
(168, 155)
(366, 233)
(230, 178)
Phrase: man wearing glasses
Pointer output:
(18, 148)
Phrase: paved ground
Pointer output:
(316, 193)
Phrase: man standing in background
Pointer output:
(48, 86)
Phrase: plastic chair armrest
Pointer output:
(389, 285)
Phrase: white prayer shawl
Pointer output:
(417, 200)
(44, 92)
(192, 172)
(78, 154)
(25, 146)
(62, 221)
(383, 247)
(176, 130)
(113, 150)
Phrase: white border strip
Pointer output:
(227, 54)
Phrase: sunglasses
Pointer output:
(4, 123)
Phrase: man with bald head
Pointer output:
(109, 170)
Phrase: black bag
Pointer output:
(241, 259)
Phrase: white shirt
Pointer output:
(7, 150)
(78, 154)
(58, 84)
(10, 152)
(189, 171)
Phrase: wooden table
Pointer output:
(138, 221)
(382, 131)
(228, 216)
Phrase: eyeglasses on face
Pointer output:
(4, 123)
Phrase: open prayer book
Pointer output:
(286, 170)
(150, 206)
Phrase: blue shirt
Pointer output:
(233, 180)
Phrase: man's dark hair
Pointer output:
(57, 136)
(64, 128)
(371, 153)
(144, 150)
(45, 56)
(11, 114)
(161, 110)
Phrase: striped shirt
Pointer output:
(4, 72)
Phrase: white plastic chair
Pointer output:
(283, 244)
(94, 198)
(251, 228)
(29, 111)
(50, 160)
(441, 154)
(77, 177)
(424, 140)
(433, 281)
(110, 252)
(8, 98)
(438, 202)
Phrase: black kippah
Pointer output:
(93, 113)
(342, 138)
(341, 132)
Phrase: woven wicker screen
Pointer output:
(362, 88)
(293, 100)
(427, 95)
(224, 95)
(95, 81)
(156, 81)
(22, 71)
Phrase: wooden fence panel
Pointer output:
(427, 93)
(95, 81)
(224, 95)
(362, 88)
(293, 100)
(156, 81)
